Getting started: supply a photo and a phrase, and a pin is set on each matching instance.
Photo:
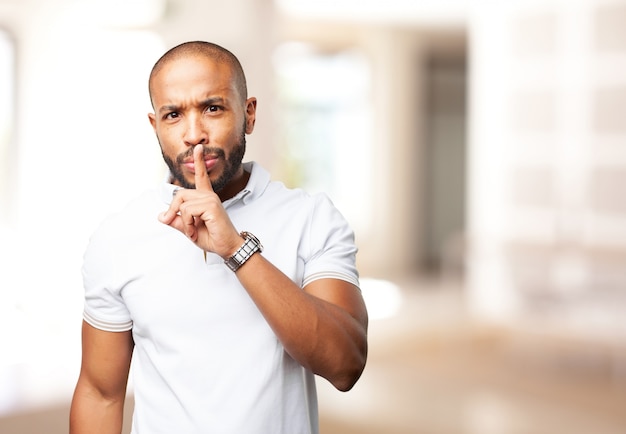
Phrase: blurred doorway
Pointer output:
(445, 155)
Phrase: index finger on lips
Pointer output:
(203, 183)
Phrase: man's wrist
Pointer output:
(250, 246)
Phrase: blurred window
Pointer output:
(7, 118)
(325, 110)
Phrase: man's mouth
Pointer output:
(209, 163)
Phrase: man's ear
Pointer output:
(152, 119)
(250, 114)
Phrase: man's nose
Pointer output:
(196, 132)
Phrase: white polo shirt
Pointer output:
(205, 359)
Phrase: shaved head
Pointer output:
(207, 50)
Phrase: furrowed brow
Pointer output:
(168, 108)
(217, 100)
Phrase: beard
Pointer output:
(232, 164)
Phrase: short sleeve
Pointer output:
(332, 248)
(104, 306)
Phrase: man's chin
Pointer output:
(181, 181)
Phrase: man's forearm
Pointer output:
(90, 414)
(325, 332)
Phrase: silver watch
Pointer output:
(250, 246)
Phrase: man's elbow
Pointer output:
(347, 381)
(348, 377)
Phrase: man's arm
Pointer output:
(98, 402)
(323, 327)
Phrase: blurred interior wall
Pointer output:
(82, 144)
(80, 56)
(546, 87)
(407, 136)
(547, 225)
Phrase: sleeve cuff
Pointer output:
(107, 326)
(331, 275)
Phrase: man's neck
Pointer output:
(237, 184)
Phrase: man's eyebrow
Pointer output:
(213, 101)
(168, 108)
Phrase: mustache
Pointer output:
(206, 150)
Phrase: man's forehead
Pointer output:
(190, 66)
(194, 62)
(193, 73)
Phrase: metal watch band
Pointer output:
(250, 246)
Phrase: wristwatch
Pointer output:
(243, 253)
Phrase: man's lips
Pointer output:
(209, 163)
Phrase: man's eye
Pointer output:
(214, 108)
(172, 115)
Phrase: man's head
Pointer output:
(199, 96)
(204, 49)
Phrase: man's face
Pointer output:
(196, 102)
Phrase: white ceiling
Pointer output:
(413, 12)
(430, 13)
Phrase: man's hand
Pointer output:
(199, 214)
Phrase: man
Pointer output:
(225, 333)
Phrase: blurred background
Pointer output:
(478, 148)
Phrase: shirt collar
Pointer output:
(258, 182)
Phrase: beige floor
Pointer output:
(432, 371)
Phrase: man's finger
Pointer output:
(203, 182)
(168, 215)
(188, 224)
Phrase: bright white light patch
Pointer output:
(382, 298)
